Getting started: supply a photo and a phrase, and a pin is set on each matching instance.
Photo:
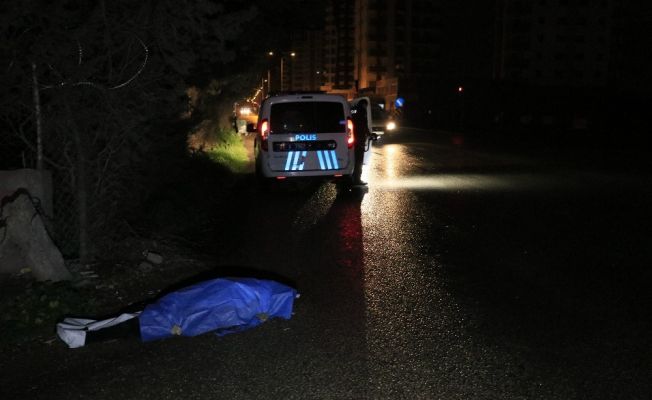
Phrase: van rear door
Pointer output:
(308, 135)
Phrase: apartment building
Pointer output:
(412, 47)
(396, 43)
(338, 48)
(553, 42)
(307, 67)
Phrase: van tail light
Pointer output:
(350, 134)
(264, 134)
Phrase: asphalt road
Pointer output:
(459, 274)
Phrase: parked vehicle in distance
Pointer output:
(380, 120)
(243, 114)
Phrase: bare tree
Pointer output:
(91, 87)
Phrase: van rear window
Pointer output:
(307, 117)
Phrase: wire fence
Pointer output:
(65, 221)
(14, 153)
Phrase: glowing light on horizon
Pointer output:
(446, 182)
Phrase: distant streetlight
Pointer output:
(292, 55)
(269, 73)
(283, 56)
(460, 92)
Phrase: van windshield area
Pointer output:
(307, 117)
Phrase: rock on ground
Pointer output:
(25, 243)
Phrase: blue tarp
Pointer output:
(223, 305)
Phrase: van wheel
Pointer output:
(344, 184)
(258, 170)
(265, 185)
(261, 182)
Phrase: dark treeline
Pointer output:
(95, 91)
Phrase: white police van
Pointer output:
(303, 135)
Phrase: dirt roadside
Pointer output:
(127, 281)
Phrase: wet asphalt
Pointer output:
(461, 273)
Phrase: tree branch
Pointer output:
(142, 67)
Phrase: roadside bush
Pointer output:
(35, 307)
(229, 151)
(221, 145)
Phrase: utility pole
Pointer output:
(282, 72)
(37, 116)
(283, 55)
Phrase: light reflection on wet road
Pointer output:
(417, 337)
(396, 167)
(458, 275)
(405, 300)
(422, 341)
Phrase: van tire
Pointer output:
(344, 184)
(261, 182)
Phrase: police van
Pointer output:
(304, 135)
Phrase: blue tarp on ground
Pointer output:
(223, 305)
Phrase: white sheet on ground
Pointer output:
(73, 330)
